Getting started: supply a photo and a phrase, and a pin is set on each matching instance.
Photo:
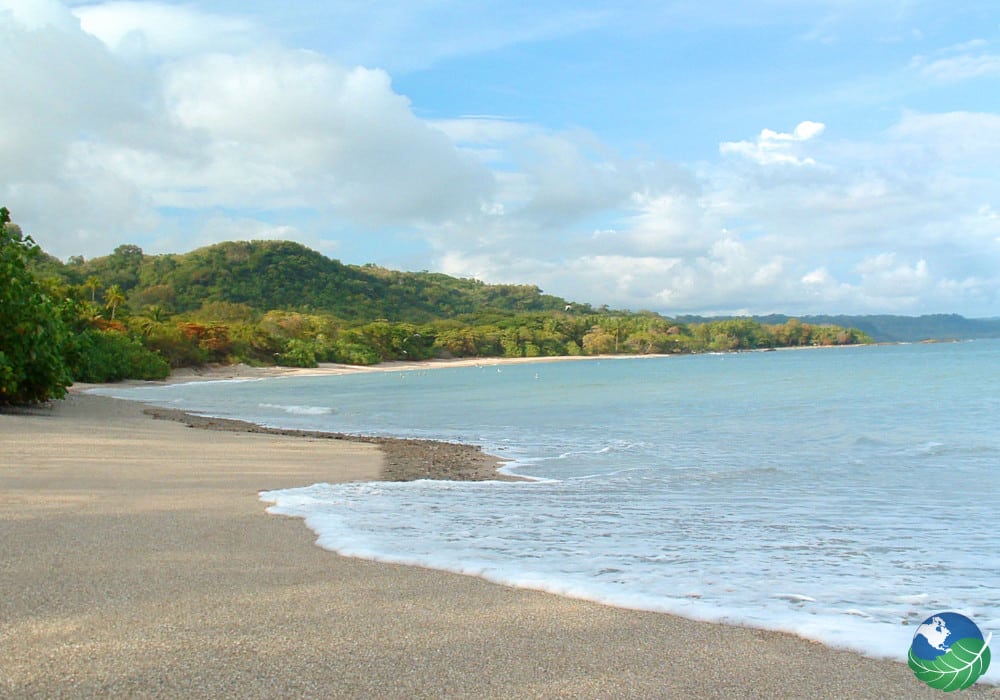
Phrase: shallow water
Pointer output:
(841, 494)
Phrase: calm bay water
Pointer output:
(841, 494)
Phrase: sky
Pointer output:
(679, 156)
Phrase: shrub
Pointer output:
(109, 356)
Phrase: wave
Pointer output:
(300, 410)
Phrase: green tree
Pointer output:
(33, 336)
(113, 298)
(599, 342)
(109, 356)
(93, 283)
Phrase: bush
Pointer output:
(299, 353)
(109, 356)
(178, 349)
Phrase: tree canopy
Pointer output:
(33, 337)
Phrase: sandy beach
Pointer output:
(138, 561)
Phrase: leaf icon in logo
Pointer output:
(958, 668)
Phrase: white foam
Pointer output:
(539, 543)
(300, 410)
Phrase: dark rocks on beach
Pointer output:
(404, 459)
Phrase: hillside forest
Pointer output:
(133, 315)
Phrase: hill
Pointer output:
(895, 329)
(268, 275)
(264, 302)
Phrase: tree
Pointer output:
(599, 342)
(93, 283)
(113, 298)
(33, 336)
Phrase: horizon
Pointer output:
(719, 158)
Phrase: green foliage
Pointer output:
(276, 302)
(299, 353)
(176, 347)
(267, 275)
(32, 334)
(890, 329)
(958, 668)
(113, 298)
(109, 356)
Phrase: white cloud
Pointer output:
(962, 138)
(965, 61)
(249, 129)
(905, 223)
(882, 275)
(962, 68)
(773, 147)
(34, 15)
(293, 127)
(62, 92)
(178, 127)
(164, 30)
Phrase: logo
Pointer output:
(948, 652)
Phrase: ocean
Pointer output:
(840, 494)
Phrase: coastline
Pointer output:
(142, 563)
(403, 459)
(242, 371)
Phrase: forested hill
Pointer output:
(132, 315)
(269, 275)
(283, 275)
(893, 329)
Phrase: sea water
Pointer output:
(840, 494)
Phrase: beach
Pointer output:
(138, 561)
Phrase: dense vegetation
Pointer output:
(896, 329)
(134, 315)
(33, 339)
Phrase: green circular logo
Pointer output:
(948, 652)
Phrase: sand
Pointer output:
(136, 560)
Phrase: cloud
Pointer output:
(405, 37)
(965, 61)
(171, 127)
(903, 223)
(164, 30)
(961, 138)
(773, 147)
(62, 92)
(104, 133)
(292, 128)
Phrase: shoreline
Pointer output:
(217, 372)
(404, 459)
(143, 563)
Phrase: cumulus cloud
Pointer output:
(292, 128)
(204, 119)
(171, 127)
(883, 226)
(62, 92)
(773, 147)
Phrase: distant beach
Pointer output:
(140, 562)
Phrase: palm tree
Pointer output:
(113, 298)
(154, 312)
(92, 283)
(152, 316)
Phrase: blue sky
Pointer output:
(721, 156)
